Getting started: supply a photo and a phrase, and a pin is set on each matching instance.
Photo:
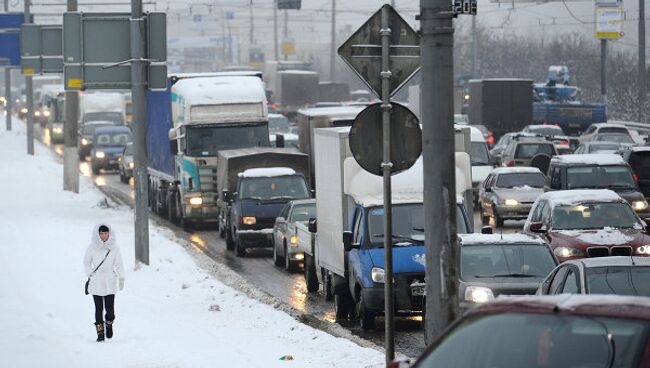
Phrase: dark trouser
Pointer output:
(107, 301)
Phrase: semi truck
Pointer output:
(347, 255)
(255, 183)
(197, 116)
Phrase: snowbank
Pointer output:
(170, 314)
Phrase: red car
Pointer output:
(588, 223)
(546, 331)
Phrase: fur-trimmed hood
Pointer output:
(95, 240)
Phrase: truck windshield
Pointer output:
(114, 117)
(615, 177)
(209, 140)
(480, 154)
(270, 188)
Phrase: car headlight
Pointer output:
(84, 141)
(478, 294)
(378, 275)
(511, 202)
(57, 130)
(196, 201)
(248, 220)
(100, 154)
(46, 113)
(566, 252)
(643, 250)
(37, 113)
(640, 205)
(294, 240)
(23, 110)
(131, 165)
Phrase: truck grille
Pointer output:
(208, 178)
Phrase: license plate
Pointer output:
(417, 290)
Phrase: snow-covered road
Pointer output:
(170, 314)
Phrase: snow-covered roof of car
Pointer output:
(472, 239)
(572, 197)
(612, 261)
(590, 159)
(543, 126)
(516, 170)
(220, 90)
(267, 172)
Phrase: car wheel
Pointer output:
(240, 250)
(343, 306)
(277, 259)
(230, 243)
(291, 267)
(364, 316)
(310, 274)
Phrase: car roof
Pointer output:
(516, 170)
(494, 239)
(630, 307)
(589, 159)
(610, 261)
(576, 196)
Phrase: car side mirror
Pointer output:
(279, 140)
(537, 227)
(226, 195)
(312, 225)
(280, 219)
(487, 230)
(347, 241)
(488, 189)
(313, 193)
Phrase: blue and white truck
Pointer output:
(187, 125)
(347, 255)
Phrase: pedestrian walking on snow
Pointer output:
(105, 270)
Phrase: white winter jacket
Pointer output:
(104, 281)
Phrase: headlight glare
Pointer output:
(640, 205)
(84, 141)
(511, 202)
(378, 275)
(100, 154)
(46, 113)
(478, 294)
(57, 130)
(248, 220)
(37, 113)
(566, 252)
(294, 240)
(643, 250)
(196, 201)
(131, 165)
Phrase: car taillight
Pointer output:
(636, 177)
(490, 140)
(511, 163)
(564, 142)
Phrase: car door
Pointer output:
(483, 192)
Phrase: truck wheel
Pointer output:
(343, 306)
(311, 278)
(277, 259)
(366, 318)
(171, 208)
(240, 250)
(291, 267)
(329, 287)
(230, 243)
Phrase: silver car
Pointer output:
(125, 163)
(285, 243)
(508, 193)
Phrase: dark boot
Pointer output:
(100, 331)
(109, 329)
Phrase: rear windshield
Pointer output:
(612, 177)
(529, 150)
(535, 180)
(615, 137)
(613, 130)
(640, 162)
(619, 280)
(603, 147)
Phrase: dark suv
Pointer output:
(596, 171)
(639, 160)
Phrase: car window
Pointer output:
(537, 215)
(558, 281)
(556, 178)
(571, 284)
(515, 180)
(480, 262)
(580, 149)
(285, 211)
(640, 162)
(590, 130)
(546, 214)
(303, 212)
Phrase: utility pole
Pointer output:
(8, 98)
(138, 86)
(70, 138)
(286, 31)
(333, 45)
(475, 49)
(642, 69)
(275, 30)
(436, 101)
(252, 25)
(30, 96)
(603, 72)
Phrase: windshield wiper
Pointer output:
(516, 275)
(281, 197)
(396, 237)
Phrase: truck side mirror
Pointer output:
(537, 227)
(347, 241)
(312, 225)
(173, 146)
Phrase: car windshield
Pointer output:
(611, 176)
(209, 140)
(603, 147)
(505, 260)
(408, 223)
(535, 180)
(279, 123)
(112, 139)
(115, 118)
(594, 216)
(615, 137)
(89, 129)
(620, 280)
(480, 155)
(529, 150)
(547, 130)
(270, 188)
(303, 212)
(515, 340)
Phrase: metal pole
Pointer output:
(275, 30)
(30, 97)
(603, 71)
(6, 6)
(8, 98)
(70, 137)
(333, 45)
(138, 85)
(286, 31)
(437, 106)
(474, 48)
(642, 69)
(251, 40)
(387, 166)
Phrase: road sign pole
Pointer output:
(30, 97)
(642, 71)
(275, 31)
(603, 71)
(387, 165)
(8, 98)
(70, 137)
(138, 125)
(436, 101)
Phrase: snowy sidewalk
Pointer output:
(170, 314)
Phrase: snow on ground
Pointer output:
(170, 314)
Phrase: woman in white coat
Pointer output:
(104, 267)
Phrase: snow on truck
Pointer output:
(346, 254)
(103, 106)
(188, 124)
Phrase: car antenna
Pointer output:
(632, 259)
(501, 232)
